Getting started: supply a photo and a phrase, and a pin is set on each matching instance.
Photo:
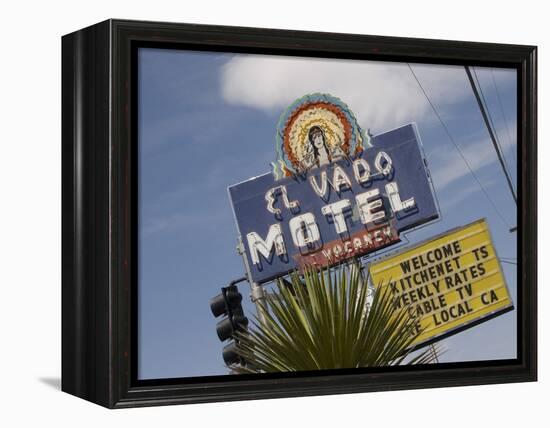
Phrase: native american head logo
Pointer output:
(314, 131)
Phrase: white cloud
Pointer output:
(447, 166)
(464, 193)
(382, 95)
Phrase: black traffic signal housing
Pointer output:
(228, 303)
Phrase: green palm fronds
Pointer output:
(325, 320)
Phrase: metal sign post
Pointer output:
(257, 292)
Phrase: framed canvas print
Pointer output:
(253, 213)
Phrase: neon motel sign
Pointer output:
(334, 193)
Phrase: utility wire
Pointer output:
(493, 139)
(503, 114)
(509, 260)
(458, 149)
(488, 111)
(435, 355)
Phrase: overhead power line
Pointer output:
(458, 149)
(491, 134)
(493, 127)
(503, 114)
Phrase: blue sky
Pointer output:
(207, 120)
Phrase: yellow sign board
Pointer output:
(448, 283)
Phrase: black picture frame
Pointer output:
(99, 248)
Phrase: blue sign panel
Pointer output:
(348, 207)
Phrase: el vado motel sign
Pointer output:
(334, 193)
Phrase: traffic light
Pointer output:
(228, 303)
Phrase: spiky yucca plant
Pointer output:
(324, 320)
